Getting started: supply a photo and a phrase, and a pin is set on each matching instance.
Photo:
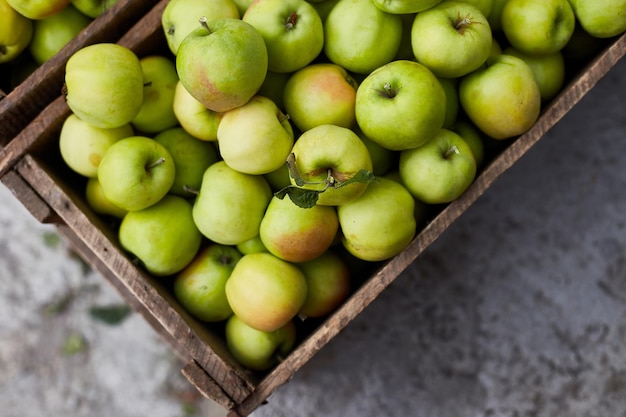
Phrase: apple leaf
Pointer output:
(362, 175)
(293, 170)
(301, 197)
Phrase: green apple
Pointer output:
(99, 203)
(297, 234)
(230, 205)
(473, 137)
(405, 6)
(360, 37)
(258, 350)
(548, 69)
(273, 87)
(400, 105)
(325, 157)
(279, 178)
(266, 292)
(136, 172)
(16, 31)
(379, 224)
(292, 30)
(193, 116)
(439, 171)
(157, 110)
(382, 158)
(252, 245)
(201, 286)
(222, 63)
(321, 93)
(502, 99)
(242, 5)
(51, 34)
(83, 146)
(255, 138)
(324, 7)
(191, 158)
(163, 236)
(495, 15)
(405, 51)
(181, 17)
(601, 18)
(451, 88)
(328, 284)
(552, 23)
(104, 84)
(38, 9)
(451, 39)
(485, 6)
(93, 8)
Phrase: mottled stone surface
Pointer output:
(518, 310)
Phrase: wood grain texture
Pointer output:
(21, 105)
(206, 385)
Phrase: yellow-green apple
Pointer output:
(400, 105)
(279, 178)
(324, 7)
(104, 84)
(318, 94)
(439, 171)
(297, 234)
(163, 236)
(451, 39)
(255, 138)
(548, 69)
(379, 224)
(502, 99)
(292, 30)
(405, 6)
(136, 172)
(99, 203)
(600, 18)
(51, 34)
(252, 245)
(552, 23)
(181, 17)
(16, 31)
(325, 158)
(266, 292)
(230, 205)
(361, 37)
(191, 158)
(328, 284)
(451, 88)
(93, 8)
(242, 5)
(157, 110)
(222, 63)
(258, 350)
(38, 9)
(273, 87)
(193, 116)
(473, 137)
(201, 286)
(495, 15)
(382, 158)
(83, 146)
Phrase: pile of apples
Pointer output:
(32, 32)
(280, 135)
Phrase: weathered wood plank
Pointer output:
(372, 288)
(38, 208)
(206, 385)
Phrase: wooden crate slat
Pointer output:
(37, 207)
(201, 344)
(206, 385)
(372, 288)
(22, 104)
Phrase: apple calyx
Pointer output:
(306, 197)
(291, 20)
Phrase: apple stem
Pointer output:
(203, 23)
(462, 23)
(155, 163)
(389, 90)
(283, 117)
(291, 21)
(191, 190)
(451, 150)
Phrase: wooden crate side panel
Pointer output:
(38, 208)
(22, 104)
(372, 288)
(202, 345)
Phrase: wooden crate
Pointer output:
(22, 104)
(32, 168)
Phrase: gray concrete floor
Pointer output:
(519, 309)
